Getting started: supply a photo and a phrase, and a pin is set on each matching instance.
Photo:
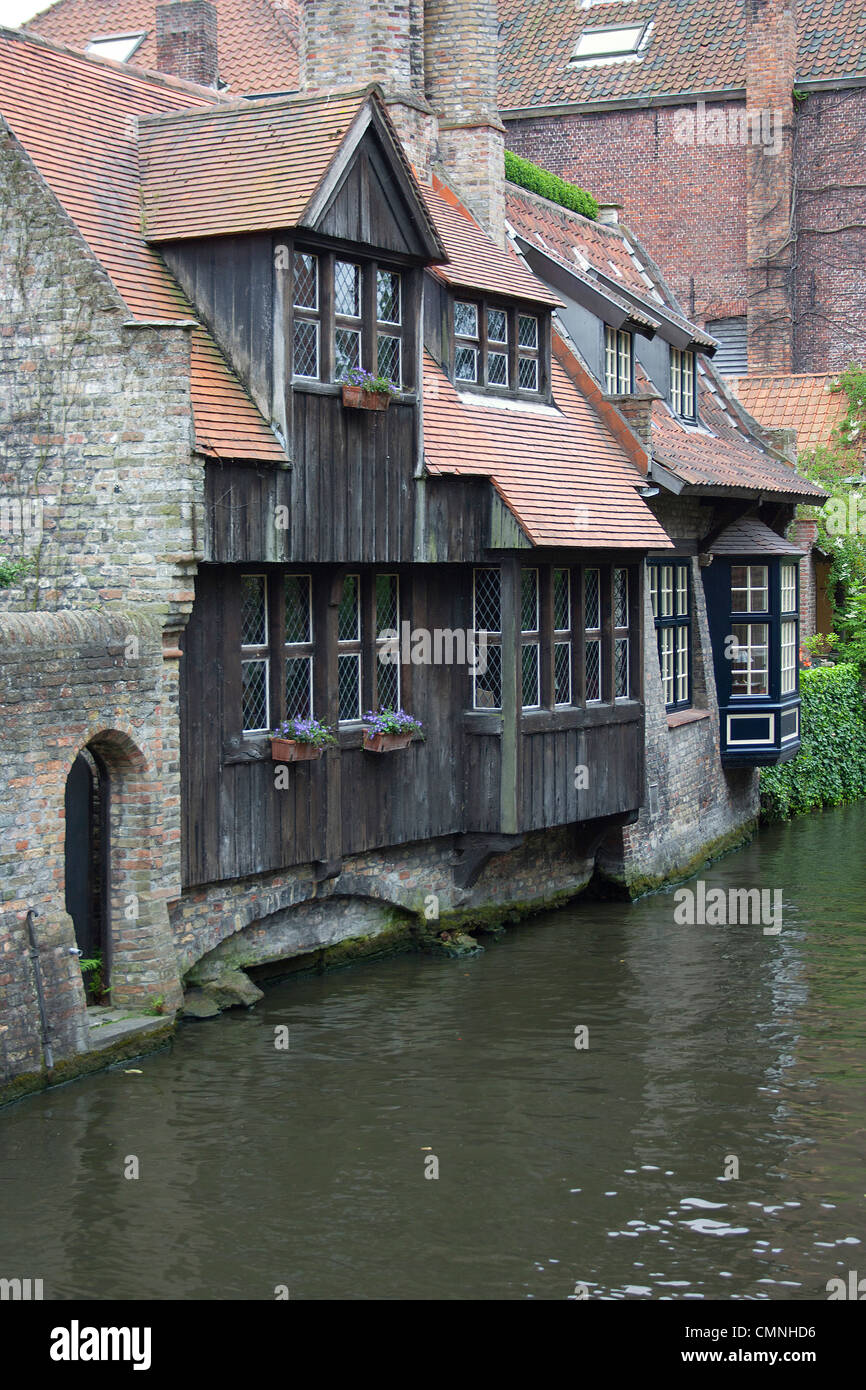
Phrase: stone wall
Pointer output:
(69, 681)
(97, 471)
(95, 422)
(289, 914)
(693, 807)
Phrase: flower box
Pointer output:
(291, 750)
(360, 399)
(385, 743)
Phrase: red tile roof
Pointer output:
(692, 48)
(804, 403)
(245, 167)
(474, 259)
(723, 453)
(558, 469)
(257, 41)
(75, 117)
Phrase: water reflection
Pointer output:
(605, 1166)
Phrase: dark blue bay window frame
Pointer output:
(756, 728)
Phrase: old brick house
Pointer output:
(219, 540)
(731, 132)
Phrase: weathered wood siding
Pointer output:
(237, 822)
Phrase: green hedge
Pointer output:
(537, 180)
(831, 766)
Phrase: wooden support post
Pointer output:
(509, 784)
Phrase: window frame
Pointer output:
(680, 359)
(367, 323)
(673, 628)
(515, 352)
(613, 344)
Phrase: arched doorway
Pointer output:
(86, 859)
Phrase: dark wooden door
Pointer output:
(83, 855)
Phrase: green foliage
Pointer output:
(91, 973)
(839, 468)
(831, 767)
(12, 570)
(537, 180)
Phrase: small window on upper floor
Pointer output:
(608, 41)
(618, 362)
(348, 315)
(120, 47)
(497, 347)
(684, 395)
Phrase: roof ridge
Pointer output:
(557, 207)
(236, 104)
(129, 70)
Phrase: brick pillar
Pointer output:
(804, 534)
(770, 72)
(186, 41)
(461, 58)
(637, 411)
(350, 43)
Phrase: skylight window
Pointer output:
(611, 41)
(120, 47)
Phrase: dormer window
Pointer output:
(348, 314)
(618, 362)
(497, 348)
(683, 384)
(608, 41)
(120, 47)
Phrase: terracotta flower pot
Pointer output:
(385, 743)
(290, 750)
(360, 399)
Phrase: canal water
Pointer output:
(711, 1050)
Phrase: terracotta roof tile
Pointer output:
(803, 402)
(474, 259)
(257, 41)
(75, 118)
(723, 453)
(559, 470)
(692, 48)
(239, 168)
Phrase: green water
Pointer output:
(557, 1166)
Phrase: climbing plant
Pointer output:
(831, 766)
(840, 468)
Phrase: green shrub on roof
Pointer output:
(528, 175)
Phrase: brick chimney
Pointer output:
(186, 41)
(350, 43)
(461, 60)
(771, 66)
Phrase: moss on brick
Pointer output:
(125, 1049)
(614, 885)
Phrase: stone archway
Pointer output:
(137, 943)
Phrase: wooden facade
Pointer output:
(353, 499)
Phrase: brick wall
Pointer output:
(771, 58)
(830, 285)
(693, 806)
(95, 433)
(186, 41)
(95, 422)
(461, 56)
(652, 163)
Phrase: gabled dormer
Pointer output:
(299, 233)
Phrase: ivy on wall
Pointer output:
(831, 766)
(531, 176)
